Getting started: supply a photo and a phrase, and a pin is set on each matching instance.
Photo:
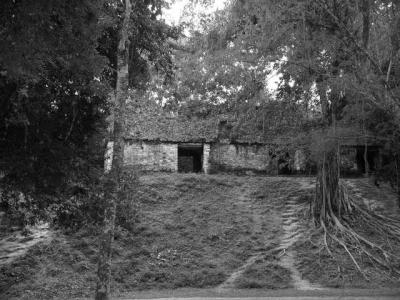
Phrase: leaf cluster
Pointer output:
(57, 68)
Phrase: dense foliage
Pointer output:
(57, 69)
(219, 78)
(53, 103)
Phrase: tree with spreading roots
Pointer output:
(342, 53)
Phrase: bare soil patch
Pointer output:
(16, 244)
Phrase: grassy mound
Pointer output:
(191, 231)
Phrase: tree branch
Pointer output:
(180, 47)
(352, 38)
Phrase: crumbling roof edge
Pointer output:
(375, 143)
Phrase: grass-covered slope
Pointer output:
(191, 231)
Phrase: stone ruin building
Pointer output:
(211, 147)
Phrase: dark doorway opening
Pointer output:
(190, 158)
(284, 165)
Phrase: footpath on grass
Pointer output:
(18, 243)
(279, 251)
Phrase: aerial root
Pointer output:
(338, 231)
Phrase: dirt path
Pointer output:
(18, 244)
(245, 202)
(287, 220)
(292, 233)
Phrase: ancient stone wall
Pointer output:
(152, 156)
(348, 160)
(300, 161)
(237, 157)
(206, 158)
(216, 157)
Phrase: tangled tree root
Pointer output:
(340, 229)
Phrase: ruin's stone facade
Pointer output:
(300, 161)
(152, 156)
(215, 157)
(236, 157)
(348, 160)
(206, 158)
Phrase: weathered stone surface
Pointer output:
(257, 158)
(348, 160)
(206, 158)
(215, 157)
(152, 156)
(241, 157)
(160, 156)
(300, 161)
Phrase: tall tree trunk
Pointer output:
(366, 164)
(327, 187)
(395, 47)
(112, 181)
(326, 202)
(366, 12)
(329, 202)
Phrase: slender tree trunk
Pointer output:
(366, 173)
(395, 47)
(366, 164)
(366, 12)
(397, 180)
(112, 181)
